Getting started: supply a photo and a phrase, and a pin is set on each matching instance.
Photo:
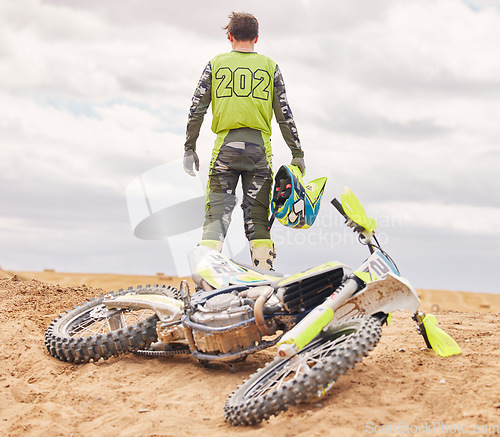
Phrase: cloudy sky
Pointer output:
(397, 100)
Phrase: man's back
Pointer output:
(242, 91)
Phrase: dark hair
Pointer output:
(243, 26)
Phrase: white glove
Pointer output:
(190, 160)
(299, 162)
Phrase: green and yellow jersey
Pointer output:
(245, 89)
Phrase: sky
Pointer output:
(396, 100)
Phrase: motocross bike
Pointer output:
(238, 310)
(337, 333)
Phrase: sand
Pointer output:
(401, 388)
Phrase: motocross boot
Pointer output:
(212, 244)
(263, 254)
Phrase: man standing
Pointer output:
(245, 88)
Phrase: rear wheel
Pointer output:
(91, 331)
(285, 382)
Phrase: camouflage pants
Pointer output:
(235, 160)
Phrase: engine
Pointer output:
(224, 324)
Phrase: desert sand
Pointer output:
(401, 388)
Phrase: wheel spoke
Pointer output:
(318, 353)
(271, 384)
(131, 317)
(299, 365)
(101, 321)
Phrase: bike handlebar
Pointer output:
(350, 222)
(339, 208)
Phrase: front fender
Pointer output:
(393, 293)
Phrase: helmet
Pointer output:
(293, 204)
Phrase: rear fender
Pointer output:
(166, 308)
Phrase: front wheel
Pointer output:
(91, 331)
(285, 382)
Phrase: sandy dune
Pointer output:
(401, 384)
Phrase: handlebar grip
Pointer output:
(339, 208)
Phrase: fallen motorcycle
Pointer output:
(323, 320)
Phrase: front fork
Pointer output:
(311, 325)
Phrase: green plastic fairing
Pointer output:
(355, 211)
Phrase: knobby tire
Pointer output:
(286, 382)
(90, 332)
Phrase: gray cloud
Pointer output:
(356, 123)
(396, 100)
